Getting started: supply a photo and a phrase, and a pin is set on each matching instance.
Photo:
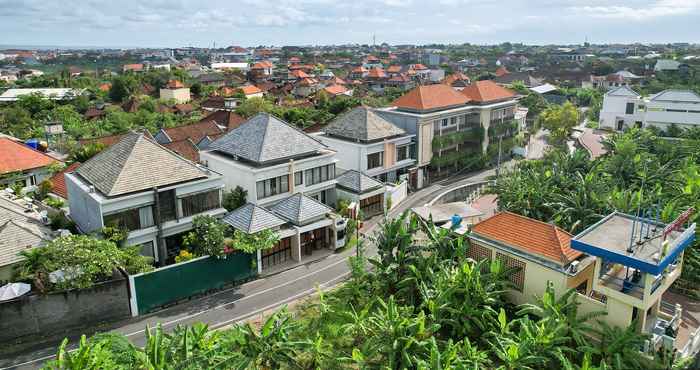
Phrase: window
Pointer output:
(198, 203)
(130, 219)
(630, 108)
(32, 180)
(444, 122)
(517, 277)
(402, 153)
(375, 160)
(167, 205)
(273, 186)
(373, 205)
(453, 120)
(298, 178)
(319, 174)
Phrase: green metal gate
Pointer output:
(169, 284)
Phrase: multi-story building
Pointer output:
(624, 108)
(272, 160)
(451, 127)
(176, 91)
(142, 187)
(370, 144)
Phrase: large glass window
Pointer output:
(166, 204)
(273, 186)
(130, 219)
(401, 153)
(198, 203)
(298, 178)
(629, 109)
(375, 160)
(319, 174)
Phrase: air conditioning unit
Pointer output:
(574, 266)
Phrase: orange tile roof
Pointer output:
(338, 81)
(501, 71)
(359, 69)
(459, 76)
(16, 156)
(175, 84)
(430, 97)
(308, 82)
(225, 118)
(250, 90)
(419, 67)
(486, 91)
(58, 180)
(185, 148)
(376, 73)
(262, 65)
(132, 67)
(394, 69)
(528, 235)
(335, 89)
(299, 74)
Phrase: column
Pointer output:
(296, 246)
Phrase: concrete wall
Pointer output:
(84, 209)
(35, 317)
(179, 95)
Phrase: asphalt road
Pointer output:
(253, 298)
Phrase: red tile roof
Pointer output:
(338, 81)
(308, 82)
(376, 73)
(16, 156)
(107, 141)
(430, 97)
(195, 131)
(58, 180)
(262, 65)
(528, 235)
(174, 84)
(459, 76)
(335, 89)
(225, 118)
(359, 69)
(250, 90)
(185, 148)
(419, 67)
(501, 71)
(487, 91)
(132, 67)
(299, 74)
(394, 69)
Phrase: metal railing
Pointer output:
(623, 285)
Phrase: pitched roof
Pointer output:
(487, 91)
(622, 91)
(376, 73)
(225, 118)
(265, 138)
(501, 71)
(458, 76)
(308, 82)
(136, 163)
(430, 97)
(525, 77)
(58, 180)
(394, 69)
(262, 65)
(357, 182)
(251, 219)
(16, 156)
(185, 148)
(300, 209)
(419, 67)
(250, 90)
(528, 235)
(175, 84)
(677, 95)
(299, 74)
(335, 89)
(361, 123)
(18, 232)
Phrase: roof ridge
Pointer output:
(536, 220)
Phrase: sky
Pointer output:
(177, 23)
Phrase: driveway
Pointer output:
(248, 300)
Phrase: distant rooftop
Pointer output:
(51, 93)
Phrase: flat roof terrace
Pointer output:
(610, 239)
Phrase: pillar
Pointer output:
(296, 246)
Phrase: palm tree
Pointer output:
(619, 347)
(88, 356)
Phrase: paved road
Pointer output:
(253, 298)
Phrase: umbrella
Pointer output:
(13, 290)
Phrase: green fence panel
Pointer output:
(170, 284)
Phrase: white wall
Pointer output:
(85, 210)
(616, 106)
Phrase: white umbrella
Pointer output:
(13, 290)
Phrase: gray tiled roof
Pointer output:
(250, 219)
(18, 232)
(622, 91)
(265, 138)
(677, 95)
(357, 182)
(361, 123)
(299, 209)
(137, 163)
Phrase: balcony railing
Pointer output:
(627, 286)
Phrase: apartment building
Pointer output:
(624, 108)
(451, 126)
(142, 187)
(272, 160)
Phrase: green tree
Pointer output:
(559, 120)
(123, 87)
(235, 198)
(207, 236)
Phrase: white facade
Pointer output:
(88, 208)
(237, 173)
(623, 108)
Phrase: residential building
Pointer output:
(58, 181)
(175, 90)
(303, 225)
(624, 108)
(666, 65)
(22, 164)
(368, 143)
(135, 67)
(21, 229)
(140, 186)
(337, 90)
(367, 192)
(251, 91)
(450, 124)
(272, 160)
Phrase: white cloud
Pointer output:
(656, 9)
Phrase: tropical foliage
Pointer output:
(641, 171)
(423, 305)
